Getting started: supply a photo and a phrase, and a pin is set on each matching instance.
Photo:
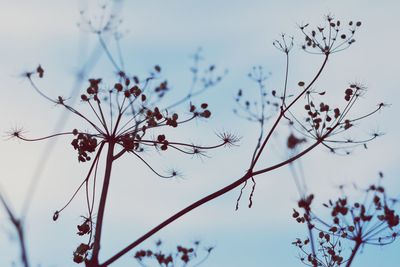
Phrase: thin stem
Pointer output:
(40, 92)
(96, 159)
(311, 83)
(261, 120)
(253, 163)
(20, 231)
(41, 138)
(83, 117)
(119, 51)
(235, 184)
(94, 189)
(310, 234)
(119, 154)
(108, 53)
(22, 243)
(283, 111)
(102, 117)
(114, 131)
(97, 115)
(286, 79)
(183, 144)
(42, 161)
(151, 168)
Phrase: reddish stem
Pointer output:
(354, 252)
(94, 261)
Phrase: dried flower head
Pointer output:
(126, 119)
(374, 220)
(329, 38)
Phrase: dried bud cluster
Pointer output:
(81, 253)
(324, 122)
(84, 144)
(183, 256)
(265, 107)
(330, 38)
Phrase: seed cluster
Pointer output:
(374, 221)
(330, 38)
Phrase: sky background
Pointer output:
(234, 35)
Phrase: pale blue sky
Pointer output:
(234, 34)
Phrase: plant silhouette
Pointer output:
(126, 121)
(129, 118)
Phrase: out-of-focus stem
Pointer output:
(20, 231)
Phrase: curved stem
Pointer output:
(202, 201)
(41, 138)
(286, 79)
(250, 173)
(108, 53)
(283, 111)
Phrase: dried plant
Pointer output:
(127, 118)
(374, 220)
